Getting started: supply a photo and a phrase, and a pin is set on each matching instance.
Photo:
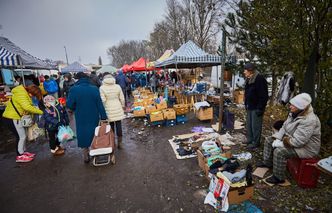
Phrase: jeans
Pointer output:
(15, 126)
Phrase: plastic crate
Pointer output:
(304, 171)
(182, 119)
(170, 122)
(157, 123)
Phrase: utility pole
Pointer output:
(66, 55)
(223, 58)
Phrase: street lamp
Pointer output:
(66, 55)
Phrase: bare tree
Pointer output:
(127, 52)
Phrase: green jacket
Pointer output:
(23, 104)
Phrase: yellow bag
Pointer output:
(41, 86)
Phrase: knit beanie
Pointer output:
(49, 99)
(301, 101)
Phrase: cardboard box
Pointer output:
(162, 105)
(138, 103)
(139, 113)
(238, 97)
(238, 195)
(205, 114)
(150, 109)
(156, 116)
(181, 109)
(169, 114)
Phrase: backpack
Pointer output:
(50, 86)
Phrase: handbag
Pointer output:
(34, 132)
(26, 120)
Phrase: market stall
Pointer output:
(75, 67)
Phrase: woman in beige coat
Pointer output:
(114, 103)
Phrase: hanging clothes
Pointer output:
(286, 88)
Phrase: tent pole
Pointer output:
(221, 103)
(21, 65)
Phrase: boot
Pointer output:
(86, 155)
(120, 142)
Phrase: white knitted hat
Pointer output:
(301, 101)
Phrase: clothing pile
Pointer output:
(188, 146)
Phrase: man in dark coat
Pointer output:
(84, 99)
(94, 79)
(122, 81)
(256, 96)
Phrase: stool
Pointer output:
(304, 171)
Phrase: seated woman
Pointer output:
(299, 136)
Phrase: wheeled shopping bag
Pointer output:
(103, 145)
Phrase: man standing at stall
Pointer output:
(256, 96)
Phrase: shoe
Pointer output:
(245, 143)
(58, 152)
(61, 148)
(262, 164)
(274, 180)
(23, 159)
(252, 146)
(29, 154)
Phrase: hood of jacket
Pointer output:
(109, 81)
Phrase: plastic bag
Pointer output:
(65, 134)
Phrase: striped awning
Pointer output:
(13, 56)
(8, 59)
(189, 55)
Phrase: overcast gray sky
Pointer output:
(86, 27)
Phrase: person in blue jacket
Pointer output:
(84, 99)
(121, 80)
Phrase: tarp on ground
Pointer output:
(189, 55)
(162, 58)
(12, 56)
(75, 67)
(106, 68)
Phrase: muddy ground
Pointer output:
(146, 178)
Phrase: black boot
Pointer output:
(274, 180)
(86, 155)
(120, 142)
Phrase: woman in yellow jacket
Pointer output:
(21, 100)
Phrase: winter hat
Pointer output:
(49, 99)
(249, 66)
(301, 101)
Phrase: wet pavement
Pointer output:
(146, 177)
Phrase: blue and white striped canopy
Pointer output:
(189, 55)
(8, 59)
(13, 56)
(75, 67)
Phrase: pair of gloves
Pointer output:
(284, 143)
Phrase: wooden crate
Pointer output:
(139, 113)
(162, 105)
(181, 109)
(169, 114)
(156, 116)
(205, 114)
